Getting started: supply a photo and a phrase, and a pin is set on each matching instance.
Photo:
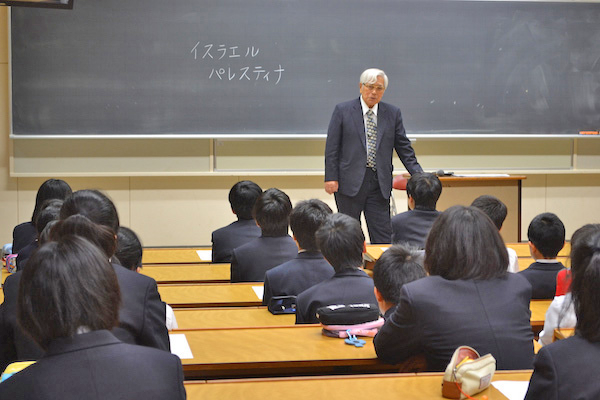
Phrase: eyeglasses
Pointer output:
(377, 88)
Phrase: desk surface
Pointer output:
(168, 255)
(210, 295)
(244, 317)
(384, 386)
(188, 273)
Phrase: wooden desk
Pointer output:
(170, 255)
(188, 273)
(563, 333)
(283, 351)
(242, 317)
(522, 249)
(381, 386)
(538, 314)
(210, 295)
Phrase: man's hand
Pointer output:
(331, 187)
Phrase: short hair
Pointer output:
(370, 75)
(242, 197)
(67, 285)
(79, 225)
(50, 189)
(585, 271)
(397, 265)
(492, 207)
(272, 212)
(341, 241)
(464, 244)
(93, 204)
(305, 219)
(547, 233)
(50, 211)
(129, 249)
(425, 189)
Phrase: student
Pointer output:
(397, 266)
(242, 197)
(342, 243)
(468, 299)
(497, 211)
(546, 235)
(129, 255)
(25, 233)
(423, 191)
(569, 368)
(69, 302)
(251, 261)
(309, 267)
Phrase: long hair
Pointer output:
(50, 189)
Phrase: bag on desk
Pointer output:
(358, 319)
(467, 373)
(282, 305)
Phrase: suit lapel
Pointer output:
(359, 122)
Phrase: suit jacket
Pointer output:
(23, 234)
(225, 239)
(413, 226)
(297, 275)
(250, 262)
(542, 277)
(565, 370)
(25, 253)
(435, 316)
(345, 287)
(346, 148)
(97, 366)
(141, 317)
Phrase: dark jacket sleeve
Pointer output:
(332, 146)
(544, 381)
(404, 148)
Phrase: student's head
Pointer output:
(129, 249)
(49, 211)
(425, 189)
(79, 225)
(305, 219)
(585, 271)
(93, 204)
(242, 197)
(51, 189)
(464, 244)
(272, 212)
(342, 241)
(493, 208)
(547, 233)
(67, 285)
(397, 265)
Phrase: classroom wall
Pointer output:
(174, 192)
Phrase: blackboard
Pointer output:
(269, 67)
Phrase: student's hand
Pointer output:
(331, 187)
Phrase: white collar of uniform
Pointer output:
(547, 261)
(365, 108)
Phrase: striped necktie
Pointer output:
(371, 140)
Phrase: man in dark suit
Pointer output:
(358, 155)
(309, 267)
(242, 197)
(342, 243)
(250, 262)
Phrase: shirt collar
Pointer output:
(365, 108)
(547, 261)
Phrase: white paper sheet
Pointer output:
(259, 290)
(205, 255)
(384, 248)
(180, 346)
(513, 390)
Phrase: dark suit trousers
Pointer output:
(375, 207)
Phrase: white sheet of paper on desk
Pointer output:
(513, 390)
(180, 346)
(259, 290)
(384, 248)
(205, 255)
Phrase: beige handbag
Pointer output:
(467, 373)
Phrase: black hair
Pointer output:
(129, 249)
(272, 212)
(492, 207)
(67, 285)
(305, 219)
(79, 225)
(396, 266)
(49, 211)
(585, 271)
(464, 244)
(425, 189)
(242, 197)
(93, 204)
(547, 233)
(341, 240)
(50, 189)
